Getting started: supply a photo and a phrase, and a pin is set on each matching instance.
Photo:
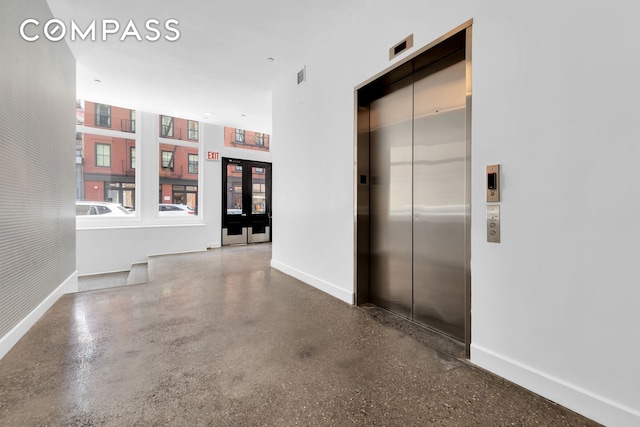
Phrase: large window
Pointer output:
(106, 162)
(246, 139)
(178, 177)
(103, 115)
(179, 167)
(103, 155)
(106, 171)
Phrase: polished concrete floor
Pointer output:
(219, 338)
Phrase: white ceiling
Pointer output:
(220, 64)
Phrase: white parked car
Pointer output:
(100, 208)
(170, 209)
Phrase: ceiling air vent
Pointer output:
(302, 75)
(398, 48)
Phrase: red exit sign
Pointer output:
(213, 155)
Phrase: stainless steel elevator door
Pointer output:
(440, 203)
(419, 198)
(390, 195)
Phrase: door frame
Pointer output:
(244, 225)
(361, 168)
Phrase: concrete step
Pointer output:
(138, 274)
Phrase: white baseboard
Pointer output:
(194, 251)
(316, 282)
(7, 342)
(89, 275)
(589, 404)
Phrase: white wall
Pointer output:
(555, 91)
(113, 244)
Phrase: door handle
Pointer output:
(244, 215)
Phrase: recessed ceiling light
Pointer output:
(271, 59)
(207, 115)
(97, 80)
(243, 115)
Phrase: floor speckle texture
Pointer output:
(219, 338)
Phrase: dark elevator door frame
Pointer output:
(456, 41)
(246, 201)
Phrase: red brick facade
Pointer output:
(234, 137)
(108, 167)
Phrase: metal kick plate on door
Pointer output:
(493, 223)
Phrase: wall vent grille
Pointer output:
(400, 47)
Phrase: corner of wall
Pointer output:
(70, 285)
(316, 282)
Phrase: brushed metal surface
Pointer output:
(258, 237)
(440, 199)
(413, 181)
(237, 239)
(469, 64)
(493, 223)
(391, 198)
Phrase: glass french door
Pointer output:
(246, 201)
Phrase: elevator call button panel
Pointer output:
(493, 183)
(493, 223)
